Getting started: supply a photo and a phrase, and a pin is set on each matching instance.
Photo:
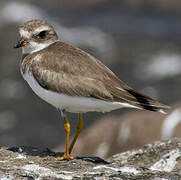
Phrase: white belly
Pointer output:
(69, 103)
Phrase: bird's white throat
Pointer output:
(32, 47)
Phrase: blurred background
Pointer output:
(139, 40)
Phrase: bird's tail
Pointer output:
(144, 102)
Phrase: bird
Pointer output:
(73, 80)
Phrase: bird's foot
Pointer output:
(65, 157)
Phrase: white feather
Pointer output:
(32, 47)
(41, 28)
(24, 34)
(37, 57)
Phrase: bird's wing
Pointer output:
(69, 70)
(71, 85)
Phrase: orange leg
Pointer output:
(79, 129)
(66, 155)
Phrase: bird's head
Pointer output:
(35, 35)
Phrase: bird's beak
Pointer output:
(21, 43)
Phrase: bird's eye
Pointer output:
(42, 34)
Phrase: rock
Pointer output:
(160, 160)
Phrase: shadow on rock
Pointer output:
(33, 151)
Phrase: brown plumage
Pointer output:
(71, 71)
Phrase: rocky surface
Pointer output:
(160, 160)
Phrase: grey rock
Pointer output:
(157, 161)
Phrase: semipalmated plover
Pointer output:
(72, 80)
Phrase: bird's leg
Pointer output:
(79, 129)
(66, 155)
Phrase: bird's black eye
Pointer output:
(42, 34)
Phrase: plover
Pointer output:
(72, 80)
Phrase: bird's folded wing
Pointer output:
(71, 85)
(76, 73)
(74, 85)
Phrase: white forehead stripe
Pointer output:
(27, 34)
(24, 33)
